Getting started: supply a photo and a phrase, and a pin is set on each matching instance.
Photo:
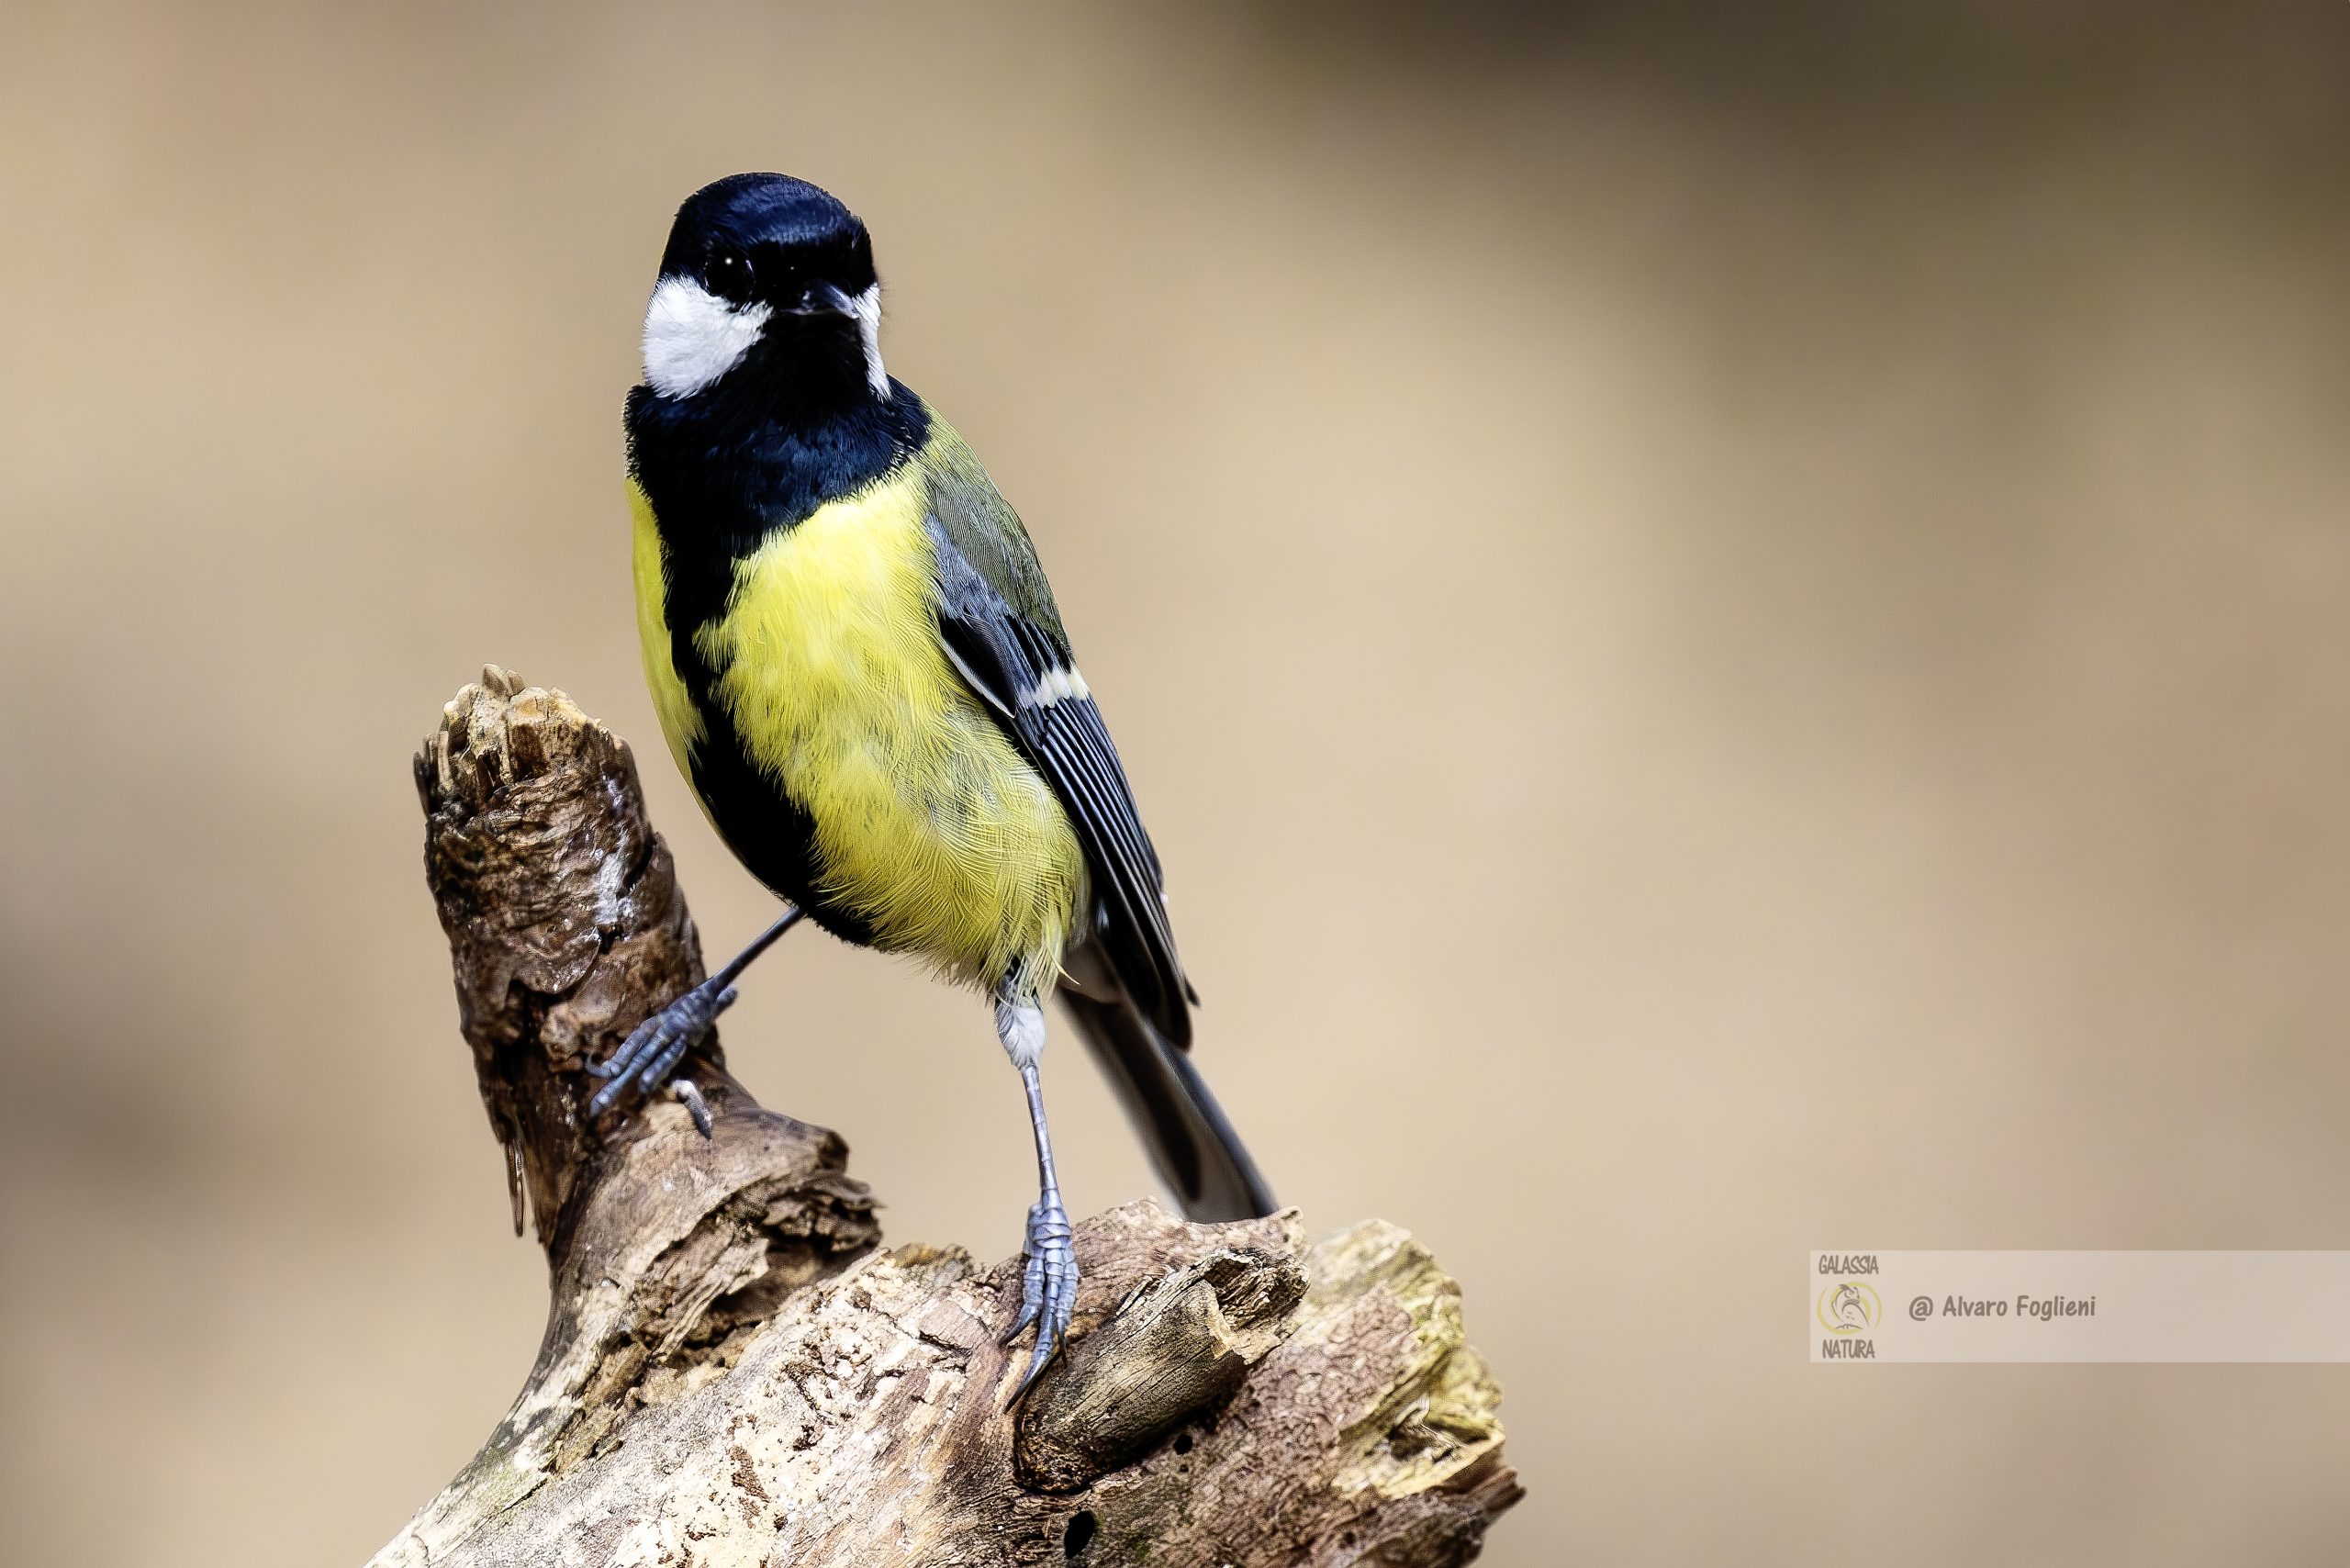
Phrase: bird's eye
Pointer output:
(730, 273)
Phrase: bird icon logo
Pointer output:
(1850, 1308)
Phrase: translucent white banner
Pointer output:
(2079, 1306)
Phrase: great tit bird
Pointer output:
(858, 664)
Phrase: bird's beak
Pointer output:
(825, 299)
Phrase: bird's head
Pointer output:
(766, 288)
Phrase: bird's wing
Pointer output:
(1002, 633)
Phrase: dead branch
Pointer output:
(733, 1371)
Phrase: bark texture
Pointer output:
(735, 1372)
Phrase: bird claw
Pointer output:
(688, 1094)
(654, 1049)
(1048, 1284)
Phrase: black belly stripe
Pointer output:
(774, 839)
(721, 480)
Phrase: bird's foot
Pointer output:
(653, 1051)
(1048, 1284)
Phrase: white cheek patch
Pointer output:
(1055, 686)
(692, 336)
(867, 308)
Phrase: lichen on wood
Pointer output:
(734, 1371)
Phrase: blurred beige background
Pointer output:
(1734, 628)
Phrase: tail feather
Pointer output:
(1191, 1143)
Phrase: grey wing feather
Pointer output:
(1007, 654)
(1006, 659)
(1123, 985)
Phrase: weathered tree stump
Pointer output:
(734, 1371)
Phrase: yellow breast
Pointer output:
(680, 725)
(928, 823)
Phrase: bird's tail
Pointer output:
(1191, 1146)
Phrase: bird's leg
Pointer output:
(653, 1051)
(1048, 1281)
